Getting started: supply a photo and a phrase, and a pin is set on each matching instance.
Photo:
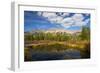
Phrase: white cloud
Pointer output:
(75, 20)
(52, 17)
(59, 19)
(80, 23)
(77, 17)
(68, 20)
(39, 13)
(78, 20)
(49, 15)
(55, 19)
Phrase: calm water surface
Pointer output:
(68, 54)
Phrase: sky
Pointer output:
(36, 20)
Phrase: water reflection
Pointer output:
(68, 54)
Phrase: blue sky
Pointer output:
(36, 20)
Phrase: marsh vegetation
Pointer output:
(40, 45)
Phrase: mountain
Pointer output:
(53, 30)
(63, 31)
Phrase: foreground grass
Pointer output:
(52, 45)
